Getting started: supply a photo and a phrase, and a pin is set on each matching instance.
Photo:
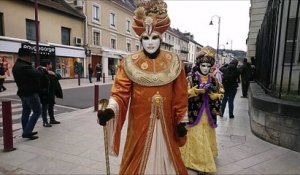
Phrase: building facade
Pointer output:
(87, 32)
(257, 12)
(109, 36)
(56, 37)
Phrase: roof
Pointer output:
(128, 4)
(179, 34)
(61, 6)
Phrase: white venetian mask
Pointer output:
(205, 68)
(151, 43)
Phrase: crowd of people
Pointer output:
(98, 70)
(37, 88)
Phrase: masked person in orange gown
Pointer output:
(151, 88)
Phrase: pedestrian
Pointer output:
(204, 104)
(151, 85)
(90, 69)
(217, 73)
(27, 79)
(47, 92)
(252, 59)
(245, 71)
(230, 82)
(2, 77)
(113, 72)
(98, 71)
(6, 66)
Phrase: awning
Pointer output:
(112, 53)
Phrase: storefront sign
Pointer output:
(44, 50)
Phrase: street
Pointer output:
(65, 105)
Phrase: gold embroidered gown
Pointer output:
(201, 148)
(155, 93)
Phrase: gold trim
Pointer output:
(163, 123)
(153, 78)
(156, 112)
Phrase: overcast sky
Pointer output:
(194, 16)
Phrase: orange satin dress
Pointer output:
(138, 80)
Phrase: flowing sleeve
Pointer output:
(118, 102)
(180, 96)
(180, 103)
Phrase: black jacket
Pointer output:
(26, 77)
(233, 74)
(246, 72)
(49, 87)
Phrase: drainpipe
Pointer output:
(86, 38)
(37, 34)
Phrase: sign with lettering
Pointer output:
(44, 50)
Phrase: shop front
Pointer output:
(110, 59)
(66, 60)
(69, 61)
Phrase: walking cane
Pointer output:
(102, 106)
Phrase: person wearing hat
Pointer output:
(150, 85)
(204, 104)
(27, 80)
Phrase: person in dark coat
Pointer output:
(230, 82)
(113, 72)
(246, 74)
(27, 79)
(98, 71)
(49, 84)
(90, 69)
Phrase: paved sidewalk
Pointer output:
(76, 147)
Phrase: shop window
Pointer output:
(1, 25)
(30, 30)
(65, 35)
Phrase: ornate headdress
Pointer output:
(207, 54)
(150, 15)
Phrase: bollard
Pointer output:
(96, 97)
(103, 77)
(7, 126)
(78, 79)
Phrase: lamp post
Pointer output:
(222, 53)
(219, 22)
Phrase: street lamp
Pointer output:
(219, 22)
(230, 43)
